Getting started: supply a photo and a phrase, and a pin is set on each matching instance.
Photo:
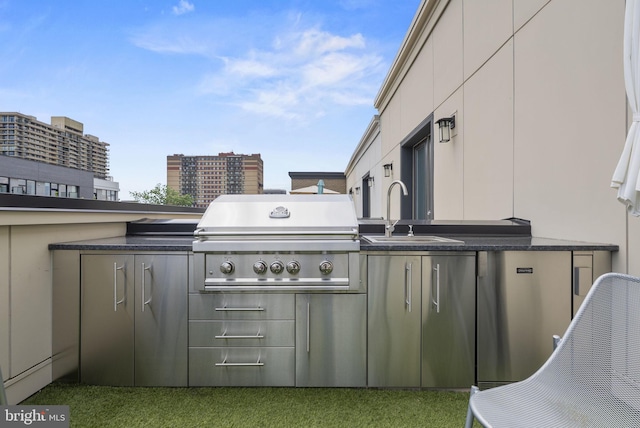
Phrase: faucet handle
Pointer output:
(390, 227)
(410, 233)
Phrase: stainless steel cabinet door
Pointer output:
(524, 298)
(448, 321)
(161, 320)
(107, 316)
(394, 321)
(331, 340)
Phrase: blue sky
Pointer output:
(293, 80)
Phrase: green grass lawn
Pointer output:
(101, 406)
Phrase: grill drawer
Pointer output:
(242, 333)
(237, 306)
(242, 366)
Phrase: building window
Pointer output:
(31, 187)
(366, 197)
(417, 171)
(18, 186)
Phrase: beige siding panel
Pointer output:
(447, 52)
(487, 26)
(30, 298)
(417, 90)
(31, 287)
(448, 164)
(369, 162)
(525, 10)
(5, 257)
(391, 125)
(569, 120)
(488, 139)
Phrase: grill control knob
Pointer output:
(227, 267)
(260, 267)
(326, 267)
(293, 267)
(277, 267)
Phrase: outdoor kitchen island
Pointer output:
(362, 339)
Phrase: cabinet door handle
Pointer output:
(116, 302)
(225, 309)
(408, 280)
(308, 327)
(436, 302)
(144, 269)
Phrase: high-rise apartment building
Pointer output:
(61, 143)
(207, 177)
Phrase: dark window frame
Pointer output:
(422, 132)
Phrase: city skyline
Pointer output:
(292, 80)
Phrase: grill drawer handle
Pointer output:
(225, 309)
(225, 364)
(225, 336)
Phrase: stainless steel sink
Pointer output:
(415, 240)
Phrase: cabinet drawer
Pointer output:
(233, 306)
(242, 366)
(242, 333)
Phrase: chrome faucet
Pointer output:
(389, 227)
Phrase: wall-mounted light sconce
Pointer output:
(388, 169)
(370, 181)
(357, 190)
(351, 190)
(445, 125)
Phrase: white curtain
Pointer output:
(626, 177)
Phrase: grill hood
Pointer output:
(279, 217)
(278, 243)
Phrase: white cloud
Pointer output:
(183, 7)
(316, 42)
(287, 70)
(299, 76)
(336, 68)
(250, 68)
(177, 41)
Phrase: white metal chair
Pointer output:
(592, 379)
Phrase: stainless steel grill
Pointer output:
(278, 243)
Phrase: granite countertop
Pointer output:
(492, 243)
(485, 235)
(471, 243)
(128, 243)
